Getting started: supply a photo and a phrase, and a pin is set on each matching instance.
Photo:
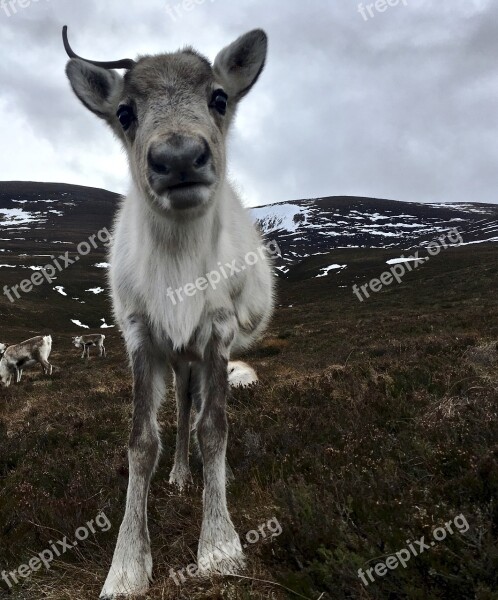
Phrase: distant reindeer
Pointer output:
(87, 341)
(3, 347)
(181, 220)
(19, 356)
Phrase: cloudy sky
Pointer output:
(399, 104)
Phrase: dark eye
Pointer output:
(126, 116)
(219, 101)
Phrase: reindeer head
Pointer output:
(172, 113)
(77, 341)
(5, 373)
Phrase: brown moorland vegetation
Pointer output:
(373, 424)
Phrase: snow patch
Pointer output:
(277, 217)
(18, 216)
(324, 271)
(397, 261)
(105, 325)
(79, 323)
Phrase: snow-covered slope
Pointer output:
(41, 219)
(309, 227)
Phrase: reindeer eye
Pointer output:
(126, 116)
(219, 101)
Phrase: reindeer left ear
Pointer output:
(240, 64)
(96, 87)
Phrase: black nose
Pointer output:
(180, 160)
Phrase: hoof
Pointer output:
(123, 585)
(181, 478)
(218, 565)
(222, 556)
(131, 578)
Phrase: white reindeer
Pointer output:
(19, 356)
(181, 220)
(87, 341)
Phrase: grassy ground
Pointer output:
(373, 424)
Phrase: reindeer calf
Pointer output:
(181, 219)
(16, 358)
(87, 341)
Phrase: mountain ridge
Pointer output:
(36, 218)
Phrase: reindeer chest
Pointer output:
(177, 300)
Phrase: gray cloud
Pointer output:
(401, 105)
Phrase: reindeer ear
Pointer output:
(240, 64)
(97, 88)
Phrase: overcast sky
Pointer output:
(402, 104)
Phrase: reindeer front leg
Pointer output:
(219, 545)
(131, 569)
(180, 474)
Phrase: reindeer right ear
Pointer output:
(240, 64)
(96, 87)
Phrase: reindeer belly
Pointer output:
(25, 362)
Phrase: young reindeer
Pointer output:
(87, 341)
(181, 220)
(26, 354)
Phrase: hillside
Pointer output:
(375, 422)
(39, 221)
(307, 228)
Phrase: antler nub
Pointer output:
(125, 63)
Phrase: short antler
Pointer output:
(125, 63)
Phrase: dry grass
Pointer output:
(373, 424)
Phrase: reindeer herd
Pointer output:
(15, 358)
